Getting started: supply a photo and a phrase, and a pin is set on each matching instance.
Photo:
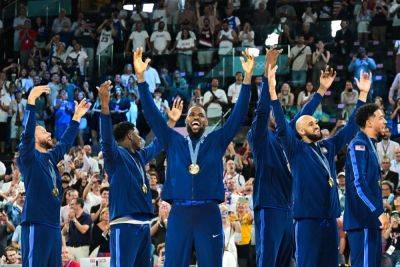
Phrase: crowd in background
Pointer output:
(73, 53)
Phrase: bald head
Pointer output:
(307, 127)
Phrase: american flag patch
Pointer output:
(360, 147)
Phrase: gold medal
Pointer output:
(194, 169)
(331, 183)
(55, 192)
(144, 188)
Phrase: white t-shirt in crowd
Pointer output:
(191, 34)
(90, 165)
(300, 63)
(233, 91)
(139, 39)
(245, 38)
(152, 78)
(6, 187)
(185, 43)
(5, 100)
(160, 40)
(105, 41)
(214, 110)
(225, 46)
(90, 201)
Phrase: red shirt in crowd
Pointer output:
(27, 39)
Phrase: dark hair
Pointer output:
(104, 189)
(364, 113)
(80, 202)
(122, 129)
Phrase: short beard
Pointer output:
(315, 137)
(47, 145)
(193, 134)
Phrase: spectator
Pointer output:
(81, 58)
(348, 98)
(138, 38)
(104, 48)
(227, 38)
(214, 101)
(343, 41)
(197, 98)
(379, 23)
(13, 208)
(397, 51)
(159, 15)
(179, 87)
(245, 218)
(91, 194)
(158, 228)
(246, 36)
(66, 259)
(17, 108)
(1, 43)
(387, 195)
(100, 236)
(308, 34)
(154, 188)
(152, 78)
(261, 15)
(234, 89)
(185, 47)
(361, 62)
(139, 16)
(97, 209)
(387, 174)
(66, 34)
(86, 36)
(206, 43)
(119, 106)
(16, 238)
(60, 21)
(320, 59)
(309, 16)
(394, 91)
(77, 230)
(395, 164)
(70, 194)
(12, 256)
(286, 97)
(160, 40)
(161, 104)
(63, 110)
(89, 163)
(299, 60)
(5, 102)
(210, 12)
(286, 37)
(132, 114)
(18, 25)
(341, 181)
(363, 19)
(386, 148)
(6, 228)
(230, 173)
(124, 78)
(233, 235)
(27, 38)
(160, 258)
(187, 17)
(305, 96)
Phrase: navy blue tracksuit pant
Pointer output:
(316, 243)
(130, 245)
(365, 247)
(198, 226)
(41, 245)
(274, 237)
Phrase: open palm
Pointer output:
(248, 64)
(327, 77)
(138, 63)
(81, 108)
(175, 113)
(104, 91)
(365, 81)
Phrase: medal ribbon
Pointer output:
(194, 152)
(324, 161)
(53, 174)
(138, 166)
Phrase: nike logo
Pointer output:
(214, 236)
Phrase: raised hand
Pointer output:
(81, 109)
(364, 84)
(138, 63)
(271, 58)
(104, 92)
(248, 64)
(326, 79)
(36, 92)
(272, 82)
(175, 113)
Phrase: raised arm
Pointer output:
(107, 142)
(27, 145)
(152, 150)
(232, 126)
(68, 138)
(347, 133)
(325, 81)
(259, 127)
(285, 133)
(150, 111)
